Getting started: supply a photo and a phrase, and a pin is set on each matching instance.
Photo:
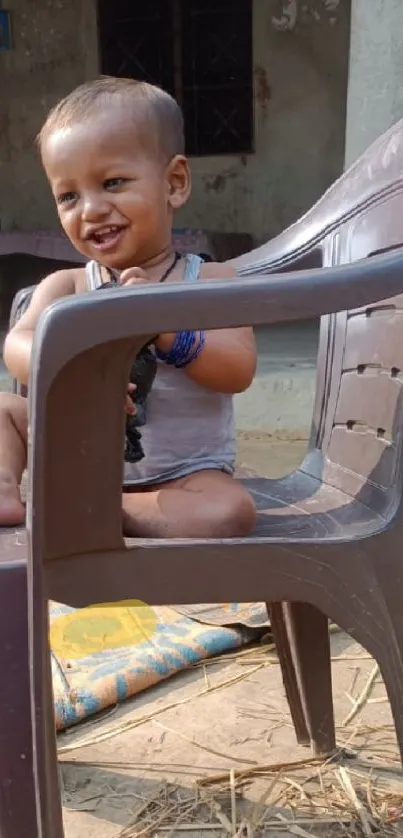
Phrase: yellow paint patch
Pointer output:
(102, 627)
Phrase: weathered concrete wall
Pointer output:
(300, 91)
(375, 89)
(54, 49)
(300, 98)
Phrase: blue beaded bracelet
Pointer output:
(182, 345)
(195, 354)
(185, 349)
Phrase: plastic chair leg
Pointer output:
(17, 788)
(301, 634)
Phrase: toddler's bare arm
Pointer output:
(18, 343)
(227, 362)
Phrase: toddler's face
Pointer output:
(113, 194)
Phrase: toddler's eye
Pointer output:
(66, 197)
(114, 182)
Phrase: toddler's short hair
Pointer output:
(148, 104)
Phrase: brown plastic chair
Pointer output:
(327, 541)
(343, 558)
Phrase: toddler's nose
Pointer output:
(94, 207)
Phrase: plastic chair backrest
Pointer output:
(356, 429)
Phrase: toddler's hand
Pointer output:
(133, 276)
(136, 276)
(130, 408)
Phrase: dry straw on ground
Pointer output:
(357, 793)
(309, 798)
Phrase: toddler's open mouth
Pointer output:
(106, 238)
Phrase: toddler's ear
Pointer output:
(179, 181)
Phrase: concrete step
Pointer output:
(281, 397)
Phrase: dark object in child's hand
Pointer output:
(142, 374)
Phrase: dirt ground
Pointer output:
(212, 751)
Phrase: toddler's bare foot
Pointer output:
(12, 510)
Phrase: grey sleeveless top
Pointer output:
(188, 427)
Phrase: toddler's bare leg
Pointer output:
(205, 504)
(13, 457)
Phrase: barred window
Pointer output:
(198, 50)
